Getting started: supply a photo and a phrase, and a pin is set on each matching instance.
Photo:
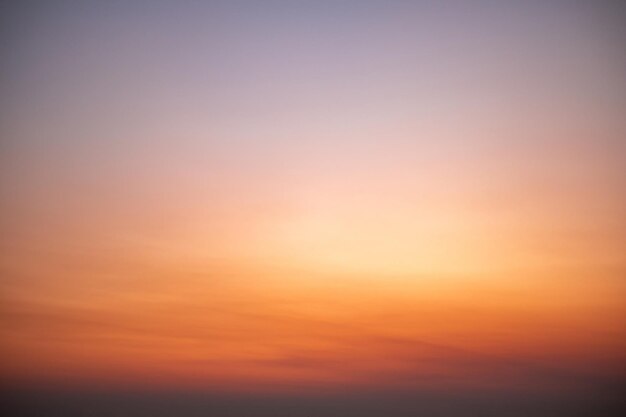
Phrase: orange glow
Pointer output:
(390, 199)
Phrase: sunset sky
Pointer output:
(292, 198)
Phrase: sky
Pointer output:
(302, 199)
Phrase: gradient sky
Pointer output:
(313, 196)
